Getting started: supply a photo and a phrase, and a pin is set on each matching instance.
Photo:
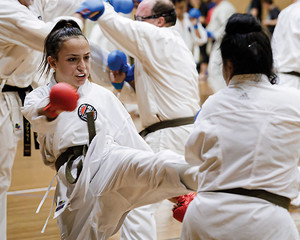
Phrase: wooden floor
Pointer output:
(30, 179)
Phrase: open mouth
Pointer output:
(81, 75)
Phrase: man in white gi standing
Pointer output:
(285, 46)
(189, 27)
(216, 27)
(165, 85)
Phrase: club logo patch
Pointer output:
(84, 109)
(60, 205)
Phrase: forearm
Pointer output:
(122, 32)
(187, 174)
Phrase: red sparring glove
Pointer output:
(182, 205)
(63, 97)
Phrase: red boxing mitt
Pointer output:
(182, 205)
(63, 97)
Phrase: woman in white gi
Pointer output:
(246, 141)
(114, 178)
(22, 37)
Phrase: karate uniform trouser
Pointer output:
(112, 183)
(8, 147)
(225, 216)
(140, 222)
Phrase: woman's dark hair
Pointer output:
(63, 30)
(166, 9)
(247, 46)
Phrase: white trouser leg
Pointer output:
(8, 146)
(140, 224)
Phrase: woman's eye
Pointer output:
(71, 59)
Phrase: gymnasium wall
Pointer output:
(242, 5)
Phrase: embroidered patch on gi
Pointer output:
(60, 205)
(84, 109)
(17, 126)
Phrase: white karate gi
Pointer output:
(247, 135)
(166, 80)
(187, 32)
(166, 87)
(218, 21)
(22, 37)
(285, 45)
(114, 179)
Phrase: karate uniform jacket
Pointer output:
(246, 136)
(120, 171)
(166, 79)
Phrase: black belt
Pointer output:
(263, 194)
(20, 91)
(294, 73)
(166, 124)
(27, 137)
(68, 157)
(74, 152)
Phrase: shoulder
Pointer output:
(99, 89)
(287, 91)
(42, 90)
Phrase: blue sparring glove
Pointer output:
(123, 6)
(118, 86)
(130, 74)
(91, 9)
(210, 34)
(117, 60)
(194, 13)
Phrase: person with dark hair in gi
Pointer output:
(246, 142)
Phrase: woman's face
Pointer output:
(73, 62)
(180, 8)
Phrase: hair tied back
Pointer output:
(242, 24)
(68, 25)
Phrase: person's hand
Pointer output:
(182, 205)
(63, 97)
(194, 15)
(210, 34)
(123, 6)
(117, 60)
(117, 79)
(117, 63)
(91, 9)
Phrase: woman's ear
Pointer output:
(52, 62)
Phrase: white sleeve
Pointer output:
(21, 27)
(99, 70)
(203, 36)
(126, 34)
(47, 10)
(34, 101)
